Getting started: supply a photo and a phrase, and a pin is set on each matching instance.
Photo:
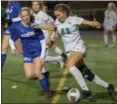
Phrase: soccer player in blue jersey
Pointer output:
(13, 10)
(33, 45)
(12, 16)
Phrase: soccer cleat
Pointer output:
(85, 94)
(111, 91)
(48, 94)
(64, 56)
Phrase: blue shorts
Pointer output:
(29, 56)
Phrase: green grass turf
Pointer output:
(102, 61)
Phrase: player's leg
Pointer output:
(44, 71)
(89, 75)
(46, 74)
(114, 38)
(74, 58)
(54, 58)
(106, 31)
(5, 44)
(49, 58)
(59, 51)
(28, 66)
(42, 79)
(29, 70)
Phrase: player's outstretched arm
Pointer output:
(91, 23)
(47, 27)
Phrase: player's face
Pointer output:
(25, 16)
(36, 7)
(60, 15)
(110, 6)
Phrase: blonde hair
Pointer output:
(29, 11)
(113, 6)
(25, 9)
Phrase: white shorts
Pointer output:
(79, 47)
(109, 27)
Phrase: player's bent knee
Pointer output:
(87, 73)
(69, 65)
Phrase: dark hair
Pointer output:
(63, 8)
(39, 3)
(32, 19)
(5, 20)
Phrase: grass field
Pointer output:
(102, 61)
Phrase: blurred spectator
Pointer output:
(110, 22)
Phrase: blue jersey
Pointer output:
(30, 37)
(8, 30)
(13, 9)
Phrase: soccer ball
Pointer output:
(73, 94)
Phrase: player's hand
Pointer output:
(95, 24)
(14, 52)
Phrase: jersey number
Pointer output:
(65, 31)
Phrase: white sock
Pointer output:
(97, 80)
(43, 70)
(114, 39)
(58, 50)
(105, 39)
(53, 59)
(79, 78)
